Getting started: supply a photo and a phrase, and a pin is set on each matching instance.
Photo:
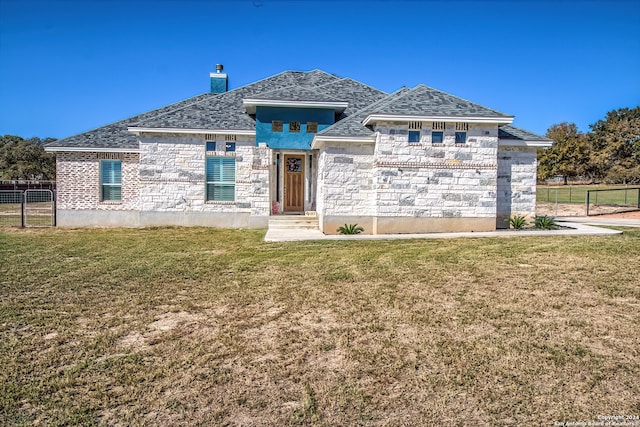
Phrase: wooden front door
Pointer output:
(294, 183)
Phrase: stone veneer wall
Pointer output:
(411, 187)
(164, 185)
(172, 175)
(345, 187)
(516, 184)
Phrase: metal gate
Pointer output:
(29, 208)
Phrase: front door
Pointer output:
(294, 183)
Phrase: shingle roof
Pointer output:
(226, 111)
(514, 133)
(426, 101)
(226, 107)
(352, 125)
(358, 94)
(116, 135)
(298, 93)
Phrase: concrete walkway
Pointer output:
(579, 226)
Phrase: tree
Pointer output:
(25, 159)
(568, 155)
(615, 143)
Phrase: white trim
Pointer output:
(251, 104)
(91, 150)
(219, 75)
(449, 119)
(522, 143)
(318, 140)
(139, 130)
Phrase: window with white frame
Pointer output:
(414, 132)
(220, 179)
(437, 137)
(414, 136)
(461, 137)
(110, 180)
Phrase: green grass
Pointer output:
(578, 194)
(196, 326)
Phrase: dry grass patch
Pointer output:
(174, 326)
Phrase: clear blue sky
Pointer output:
(70, 66)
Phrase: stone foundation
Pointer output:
(407, 225)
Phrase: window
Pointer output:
(111, 180)
(211, 146)
(414, 136)
(312, 127)
(230, 146)
(276, 126)
(294, 127)
(437, 137)
(461, 137)
(221, 178)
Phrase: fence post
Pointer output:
(23, 198)
(638, 198)
(587, 202)
(625, 197)
(548, 194)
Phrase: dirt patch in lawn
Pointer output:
(572, 209)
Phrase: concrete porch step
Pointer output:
(293, 222)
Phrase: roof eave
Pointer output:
(524, 143)
(250, 104)
(139, 130)
(63, 149)
(407, 118)
(320, 140)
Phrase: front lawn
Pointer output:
(197, 326)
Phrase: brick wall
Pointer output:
(78, 181)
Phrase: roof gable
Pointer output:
(426, 101)
(352, 126)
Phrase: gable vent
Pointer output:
(415, 125)
(437, 125)
(210, 137)
(462, 126)
(230, 138)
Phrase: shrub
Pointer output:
(350, 229)
(544, 222)
(518, 222)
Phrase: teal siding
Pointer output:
(285, 139)
(218, 84)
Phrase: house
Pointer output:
(415, 160)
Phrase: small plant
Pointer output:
(544, 222)
(350, 229)
(274, 208)
(518, 222)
